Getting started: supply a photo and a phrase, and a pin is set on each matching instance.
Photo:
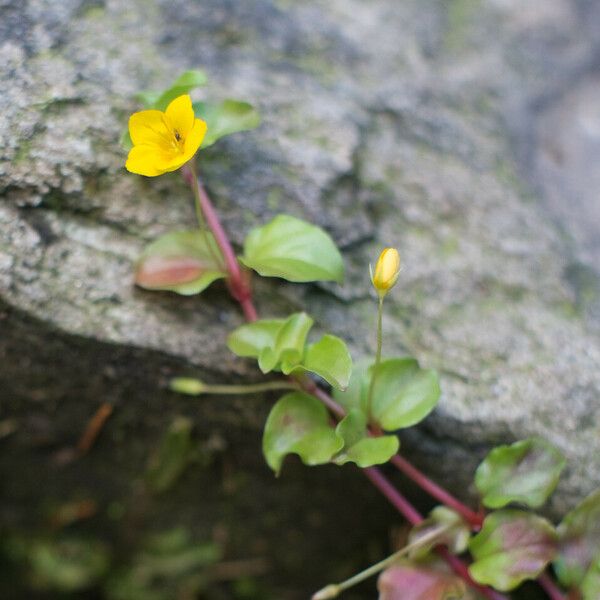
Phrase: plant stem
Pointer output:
(548, 585)
(334, 590)
(461, 569)
(410, 513)
(309, 386)
(243, 294)
(238, 282)
(413, 516)
(251, 388)
(377, 355)
(437, 492)
(193, 179)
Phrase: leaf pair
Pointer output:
(514, 545)
(403, 393)
(280, 345)
(300, 424)
(187, 262)
(222, 119)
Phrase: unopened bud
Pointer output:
(331, 591)
(187, 385)
(386, 271)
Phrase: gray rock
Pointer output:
(465, 132)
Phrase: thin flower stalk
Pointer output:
(334, 590)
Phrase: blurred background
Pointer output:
(464, 132)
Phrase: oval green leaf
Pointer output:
(579, 541)
(293, 249)
(251, 339)
(181, 262)
(511, 547)
(525, 472)
(329, 358)
(403, 393)
(359, 447)
(299, 424)
(225, 118)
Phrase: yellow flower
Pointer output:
(386, 272)
(164, 141)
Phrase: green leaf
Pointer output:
(249, 340)
(456, 537)
(147, 99)
(288, 346)
(184, 84)
(171, 459)
(181, 262)
(590, 586)
(293, 249)
(329, 358)
(225, 118)
(359, 447)
(403, 394)
(277, 343)
(355, 394)
(579, 541)
(511, 547)
(525, 472)
(299, 424)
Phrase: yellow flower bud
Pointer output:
(386, 271)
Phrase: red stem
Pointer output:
(308, 385)
(239, 282)
(548, 585)
(410, 513)
(461, 569)
(473, 518)
(242, 292)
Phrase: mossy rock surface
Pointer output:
(452, 130)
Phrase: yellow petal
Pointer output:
(174, 163)
(145, 160)
(180, 115)
(149, 127)
(192, 143)
(195, 137)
